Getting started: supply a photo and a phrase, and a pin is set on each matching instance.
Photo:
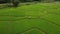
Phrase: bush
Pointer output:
(48, 1)
(3, 6)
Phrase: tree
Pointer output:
(29, 0)
(15, 3)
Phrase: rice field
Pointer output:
(40, 18)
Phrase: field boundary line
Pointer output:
(32, 28)
(53, 13)
(50, 22)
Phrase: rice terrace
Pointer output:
(32, 18)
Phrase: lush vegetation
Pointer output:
(8, 1)
(40, 18)
(15, 3)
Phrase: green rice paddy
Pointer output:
(41, 18)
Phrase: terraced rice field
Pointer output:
(41, 18)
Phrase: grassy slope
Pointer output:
(10, 18)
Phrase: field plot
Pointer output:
(41, 18)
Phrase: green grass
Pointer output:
(45, 19)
